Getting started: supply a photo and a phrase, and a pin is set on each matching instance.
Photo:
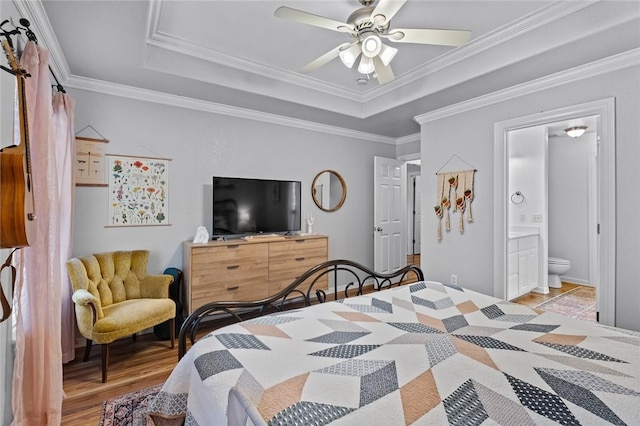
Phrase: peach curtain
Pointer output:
(64, 146)
(37, 380)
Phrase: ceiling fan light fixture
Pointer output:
(366, 65)
(371, 44)
(350, 55)
(576, 131)
(387, 53)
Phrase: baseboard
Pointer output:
(576, 281)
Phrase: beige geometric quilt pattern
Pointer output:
(420, 354)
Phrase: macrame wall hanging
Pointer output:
(454, 193)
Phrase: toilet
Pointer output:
(557, 267)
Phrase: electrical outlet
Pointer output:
(454, 279)
(536, 218)
(523, 217)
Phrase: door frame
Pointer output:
(605, 110)
(407, 158)
(412, 207)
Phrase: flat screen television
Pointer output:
(244, 206)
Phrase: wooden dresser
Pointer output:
(242, 270)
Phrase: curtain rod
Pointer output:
(31, 36)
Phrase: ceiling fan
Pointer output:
(368, 26)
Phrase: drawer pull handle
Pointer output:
(234, 246)
(233, 267)
(300, 241)
(233, 288)
(299, 259)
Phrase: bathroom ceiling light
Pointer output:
(576, 131)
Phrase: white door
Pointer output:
(389, 217)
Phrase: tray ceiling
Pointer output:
(237, 53)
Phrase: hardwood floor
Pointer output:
(534, 299)
(132, 366)
(413, 259)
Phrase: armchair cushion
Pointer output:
(130, 316)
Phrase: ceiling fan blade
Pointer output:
(384, 73)
(311, 19)
(324, 59)
(428, 36)
(385, 10)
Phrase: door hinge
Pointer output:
(598, 230)
(597, 316)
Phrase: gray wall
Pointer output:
(470, 135)
(203, 144)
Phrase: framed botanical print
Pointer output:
(90, 161)
(138, 191)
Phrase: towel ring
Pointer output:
(517, 197)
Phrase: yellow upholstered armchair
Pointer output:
(115, 297)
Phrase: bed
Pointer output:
(421, 353)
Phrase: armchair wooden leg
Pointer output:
(172, 330)
(87, 350)
(105, 361)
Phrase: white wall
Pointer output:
(203, 144)
(470, 135)
(527, 168)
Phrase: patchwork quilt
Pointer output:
(420, 354)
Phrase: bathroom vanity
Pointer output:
(522, 263)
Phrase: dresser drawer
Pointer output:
(230, 254)
(284, 272)
(287, 250)
(233, 272)
(290, 259)
(232, 293)
(241, 283)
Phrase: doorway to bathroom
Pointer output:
(531, 188)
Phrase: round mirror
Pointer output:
(328, 190)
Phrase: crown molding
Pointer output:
(408, 139)
(356, 104)
(534, 20)
(512, 30)
(157, 38)
(592, 69)
(168, 42)
(35, 13)
(152, 96)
